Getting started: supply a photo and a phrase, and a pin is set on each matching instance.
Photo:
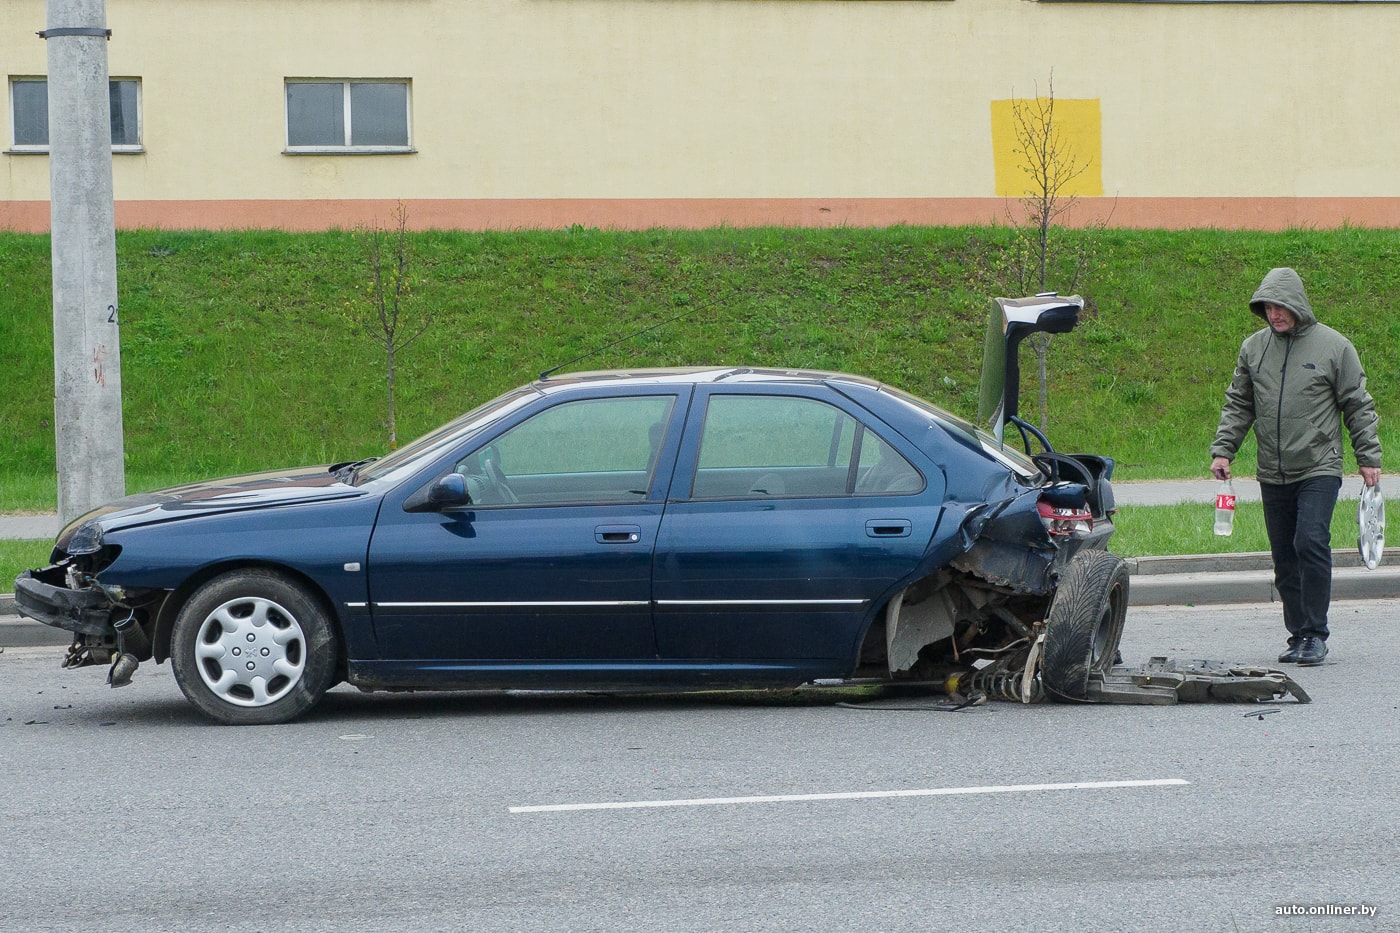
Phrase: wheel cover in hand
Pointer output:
(1370, 517)
(250, 651)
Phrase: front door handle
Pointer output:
(889, 528)
(617, 534)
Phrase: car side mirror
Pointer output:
(448, 491)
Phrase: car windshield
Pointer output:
(454, 430)
(1009, 457)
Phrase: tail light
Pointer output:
(1062, 521)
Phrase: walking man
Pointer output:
(1295, 382)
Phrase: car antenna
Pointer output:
(607, 346)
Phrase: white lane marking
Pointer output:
(855, 795)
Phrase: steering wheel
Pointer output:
(1055, 464)
(491, 468)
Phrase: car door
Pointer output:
(792, 512)
(550, 560)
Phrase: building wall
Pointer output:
(638, 113)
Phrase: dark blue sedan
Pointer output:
(653, 530)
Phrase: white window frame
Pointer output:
(42, 149)
(345, 100)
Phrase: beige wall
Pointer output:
(689, 112)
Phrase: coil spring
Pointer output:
(998, 683)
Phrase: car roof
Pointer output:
(697, 375)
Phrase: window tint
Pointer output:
(315, 115)
(763, 446)
(884, 471)
(376, 116)
(589, 451)
(29, 100)
(126, 129)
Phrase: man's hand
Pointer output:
(1220, 468)
(1371, 476)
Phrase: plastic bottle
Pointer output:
(1225, 509)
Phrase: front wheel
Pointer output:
(253, 648)
(1085, 623)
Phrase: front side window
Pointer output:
(767, 446)
(29, 107)
(586, 452)
(364, 116)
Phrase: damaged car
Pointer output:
(678, 529)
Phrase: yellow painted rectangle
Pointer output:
(1076, 132)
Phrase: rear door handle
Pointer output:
(889, 528)
(617, 534)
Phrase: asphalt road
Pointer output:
(123, 810)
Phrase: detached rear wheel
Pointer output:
(1085, 623)
(253, 648)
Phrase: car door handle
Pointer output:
(617, 534)
(889, 528)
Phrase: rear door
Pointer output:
(791, 513)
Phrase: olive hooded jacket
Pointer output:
(1294, 389)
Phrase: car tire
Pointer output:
(251, 647)
(1084, 625)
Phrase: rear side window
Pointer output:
(766, 446)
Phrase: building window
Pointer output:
(29, 109)
(347, 116)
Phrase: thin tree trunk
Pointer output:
(393, 428)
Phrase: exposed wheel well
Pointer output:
(940, 612)
(165, 618)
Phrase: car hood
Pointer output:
(233, 493)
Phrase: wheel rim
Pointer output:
(250, 651)
(1370, 517)
(1103, 642)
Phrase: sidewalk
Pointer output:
(1156, 581)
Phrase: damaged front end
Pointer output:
(110, 624)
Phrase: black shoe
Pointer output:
(1290, 656)
(1311, 650)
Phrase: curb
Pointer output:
(1186, 580)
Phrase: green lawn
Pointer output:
(1188, 528)
(237, 355)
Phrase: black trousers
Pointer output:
(1298, 517)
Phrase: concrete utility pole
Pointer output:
(86, 348)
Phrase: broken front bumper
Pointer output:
(83, 612)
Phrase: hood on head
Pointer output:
(1284, 287)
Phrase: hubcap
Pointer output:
(250, 651)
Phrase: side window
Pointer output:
(356, 116)
(765, 446)
(29, 109)
(578, 453)
(884, 471)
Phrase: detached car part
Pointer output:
(1370, 520)
(1164, 681)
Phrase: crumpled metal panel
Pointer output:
(1012, 548)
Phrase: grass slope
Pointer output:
(236, 354)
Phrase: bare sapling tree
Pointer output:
(385, 311)
(1051, 166)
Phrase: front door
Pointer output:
(550, 561)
